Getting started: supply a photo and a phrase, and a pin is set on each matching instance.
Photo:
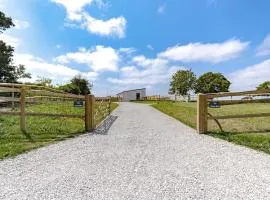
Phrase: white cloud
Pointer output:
(10, 40)
(146, 62)
(264, 47)
(111, 27)
(75, 13)
(19, 24)
(58, 73)
(161, 9)
(73, 7)
(145, 71)
(99, 58)
(209, 52)
(250, 77)
(127, 51)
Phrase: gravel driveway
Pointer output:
(145, 155)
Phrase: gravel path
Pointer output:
(145, 155)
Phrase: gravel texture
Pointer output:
(144, 155)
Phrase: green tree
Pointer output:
(8, 71)
(212, 83)
(78, 85)
(264, 86)
(182, 82)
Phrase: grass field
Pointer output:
(41, 131)
(251, 132)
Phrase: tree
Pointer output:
(182, 82)
(8, 71)
(212, 83)
(77, 85)
(264, 86)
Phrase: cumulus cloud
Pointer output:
(250, 77)
(145, 71)
(10, 40)
(74, 8)
(99, 58)
(112, 27)
(58, 73)
(264, 47)
(127, 51)
(208, 52)
(76, 13)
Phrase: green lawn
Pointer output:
(41, 131)
(251, 132)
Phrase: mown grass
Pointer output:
(41, 131)
(251, 132)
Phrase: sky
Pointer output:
(119, 45)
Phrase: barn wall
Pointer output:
(131, 95)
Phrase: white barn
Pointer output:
(129, 95)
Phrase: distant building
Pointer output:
(129, 95)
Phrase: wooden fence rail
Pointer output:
(26, 94)
(202, 108)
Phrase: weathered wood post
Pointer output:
(22, 113)
(13, 96)
(202, 103)
(89, 112)
(110, 104)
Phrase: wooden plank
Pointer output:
(38, 98)
(40, 88)
(202, 114)
(54, 115)
(241, 116)
(22, 107)
(9, 99)
(87, 113)
(231, 94)
(47, 93)
(92, 112)
(9, 113)
(43, 114)
(8, 89)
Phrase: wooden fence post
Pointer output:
(89, 112)
(22, 113)
(202, 111)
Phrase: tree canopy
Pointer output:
(212, 83)
(8, 71)
(182, 82)
(77, 85)
(263, 86)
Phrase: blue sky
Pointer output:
(120, 45)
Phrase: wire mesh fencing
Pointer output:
(102, 109)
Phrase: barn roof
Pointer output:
(131, 90)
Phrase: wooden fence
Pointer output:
(19, 96)
(202, 108)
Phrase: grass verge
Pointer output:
(41, 131)
(250, 132)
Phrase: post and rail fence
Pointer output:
(202, 108)
(23, 96)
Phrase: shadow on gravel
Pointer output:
(104, 127)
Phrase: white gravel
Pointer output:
(145, 155)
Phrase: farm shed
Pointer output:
(129, 95)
